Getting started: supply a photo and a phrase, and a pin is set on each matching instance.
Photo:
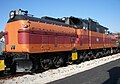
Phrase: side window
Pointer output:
(85, 26)
(97, 29)
(106, 32)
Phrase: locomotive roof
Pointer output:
(43, 19)
(66, 21)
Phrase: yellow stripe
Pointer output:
(74, 56)
(2, 66)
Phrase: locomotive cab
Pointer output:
(16, 55)
(16, 22)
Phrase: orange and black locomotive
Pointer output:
(39, 43)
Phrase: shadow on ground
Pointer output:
(114, 74)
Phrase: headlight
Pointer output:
(12, 14)
(25, 26)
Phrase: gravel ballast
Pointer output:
(62, 72)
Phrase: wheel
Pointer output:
(80, 58)
(57, 61)
(46, 63)
(97, 55)
(35, 64)
(69, 60)
(86, 57)
(13, 68)
(92, 56)
(101, 54)
(108, 52)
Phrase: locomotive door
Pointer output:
(82, 40)
(86, 40)
(85, 34)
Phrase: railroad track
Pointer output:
(9, 76)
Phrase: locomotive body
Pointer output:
(35, 43)
(38, 37)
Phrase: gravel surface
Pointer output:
(108, 73)
(62, 72)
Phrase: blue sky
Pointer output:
(106, 12)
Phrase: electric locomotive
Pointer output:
(40, 43)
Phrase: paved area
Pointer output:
(105, 74)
